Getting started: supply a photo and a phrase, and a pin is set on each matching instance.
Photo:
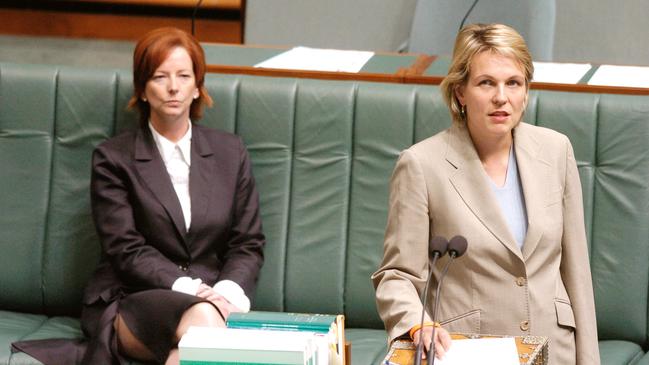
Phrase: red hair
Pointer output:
(151, 51)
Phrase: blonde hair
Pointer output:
(473, 40)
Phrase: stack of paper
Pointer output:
(628, 76)
(316, 59)
(560, 73)
(484, 351)
(225, 346)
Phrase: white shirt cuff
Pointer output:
(187, 285)
(233, 293)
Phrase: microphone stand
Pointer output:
(437, 247)
(198, 4)
(456, 247)
(431, 347)
(423, 310)
(467, 15)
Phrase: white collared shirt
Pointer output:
(177, 160)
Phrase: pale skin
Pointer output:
(442, 340)
(495, 96)
(170, 92)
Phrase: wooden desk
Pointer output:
(216, 20)
(382, 67)
(532, 350)
(434, 75)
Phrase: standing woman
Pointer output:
(513, 190)
(177, 213)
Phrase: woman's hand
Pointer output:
(442, 340)
(208, 293)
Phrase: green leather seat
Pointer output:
(322, 154)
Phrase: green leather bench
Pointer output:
(322, 155)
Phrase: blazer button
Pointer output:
(520, 281)
(525, 325)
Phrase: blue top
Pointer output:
(512, 202)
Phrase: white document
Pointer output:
(629, 76)
(317, 59)
(560, 73)
(484, 351)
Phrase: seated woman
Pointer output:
(177, 213)
(513, 190)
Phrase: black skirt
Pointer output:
(152, 316)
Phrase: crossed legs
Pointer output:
(200, 314)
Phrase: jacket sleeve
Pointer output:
(401, 277)
(575, 267)
(244, 252)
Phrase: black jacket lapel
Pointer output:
(152, 169)
(201, 170)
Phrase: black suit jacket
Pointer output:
(139, 219)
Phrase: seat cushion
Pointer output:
(620, 352)
(20, 326)
(16, 326)
(644, 360)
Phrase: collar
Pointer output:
(167, 148)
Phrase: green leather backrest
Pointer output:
(27, 105)
(322, 154)
(610, 136)
(620, 228)
(50, 121)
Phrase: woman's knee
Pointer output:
(203, 314)
(200, 314)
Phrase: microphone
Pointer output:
(198, 4)
(456, 247)
(467, 15)
(436, 248)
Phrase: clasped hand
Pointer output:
(208, 293)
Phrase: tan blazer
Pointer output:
(440, 188)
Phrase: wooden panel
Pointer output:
(206, 4)
(111, 26)
(305, 74)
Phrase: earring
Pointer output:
(463, 111)
(144, 99)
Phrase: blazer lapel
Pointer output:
(533, 171)
(470, 182)
(200, 173)
(153, 171)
